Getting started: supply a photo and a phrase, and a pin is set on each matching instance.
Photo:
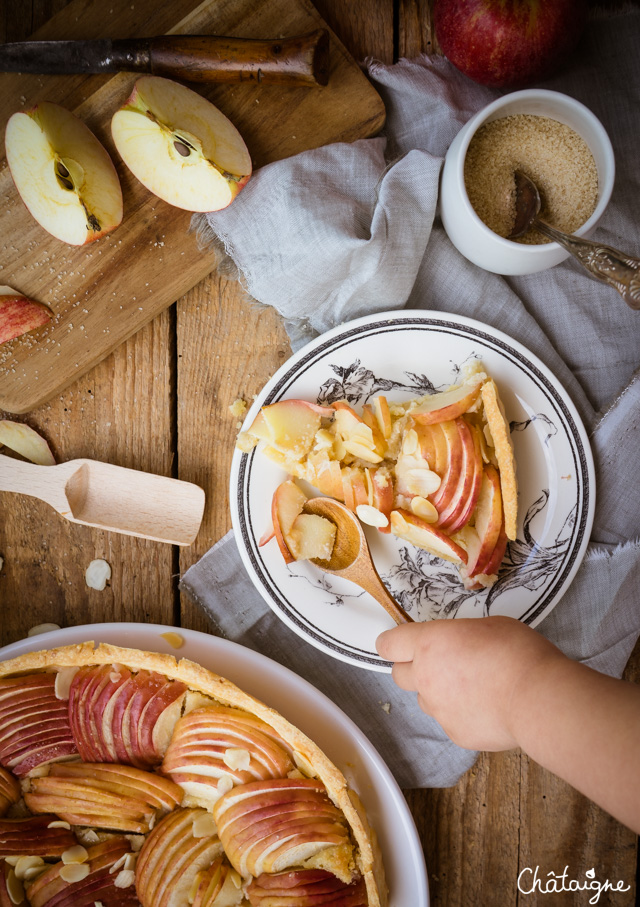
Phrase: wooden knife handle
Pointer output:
(302, 60)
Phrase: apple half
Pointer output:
(181, 147)
(63, 174)
(19, 315)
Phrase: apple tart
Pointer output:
(437, 471)
(130, 779)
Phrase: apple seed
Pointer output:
(182, 149)
(63, 176)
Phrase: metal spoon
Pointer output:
(351, 557)
(111, 497)
(617, 269)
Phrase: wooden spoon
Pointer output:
(111, 497)
(351, 557)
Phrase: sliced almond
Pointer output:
(74, 872)
(76, 854)
(136, 842)
(97, 574)
(15, 888)
(130, 860)
(424, 509)
(362, 452)
(225, 783)
(26, 863)
(236, 758)
(204, 826)
(63, 682)
(59, 824)
(43, 628)
(125, 878)
(371, 516)
(422, 481)
(119, 864)
(410, 442)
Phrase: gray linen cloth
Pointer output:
(348, 230)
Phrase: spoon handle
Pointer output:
(43, 482)
(617, 269)
(372, 584)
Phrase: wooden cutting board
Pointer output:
(104, 292)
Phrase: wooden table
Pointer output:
(160, 403)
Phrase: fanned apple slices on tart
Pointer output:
(128, 779)
(437, 471)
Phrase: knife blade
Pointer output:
(301, 60)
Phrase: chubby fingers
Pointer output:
(400, 643)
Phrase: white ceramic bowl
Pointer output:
(465, 229)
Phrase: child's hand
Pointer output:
(468, 673)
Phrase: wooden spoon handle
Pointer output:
(375, 587)
(43, 482)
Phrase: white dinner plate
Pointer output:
(403, 355)
(303, 706)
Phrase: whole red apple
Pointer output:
(508, 43)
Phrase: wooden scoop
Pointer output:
(351, 557)
(111, 497)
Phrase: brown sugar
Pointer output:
(555, 157)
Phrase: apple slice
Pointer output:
(306, 886)
(370, 419)
(488, 520)
(34, 835)
(217, 886)
(497, 555)
(173, 855)
(383, 416)
(448, 405)
(311, 536)
(411, 528)
(119, 717)
(380, 493)
(325, 474)
(34, 724)
(25, 441)
(9, 790)
(269, 826)
(357, 436)
(216, 745)
(63, 174)
(97, 884)
(457, 510)
(286, 506)
(19, 315)
(181, 147)
(354, 487)
(289, 426)
(111, 796)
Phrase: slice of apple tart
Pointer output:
(437, 471)
(129, 779)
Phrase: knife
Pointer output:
(302, 60)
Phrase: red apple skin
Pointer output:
(19, 315)
(508, 43)
(33, 836)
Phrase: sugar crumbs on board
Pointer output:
(553, 155)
